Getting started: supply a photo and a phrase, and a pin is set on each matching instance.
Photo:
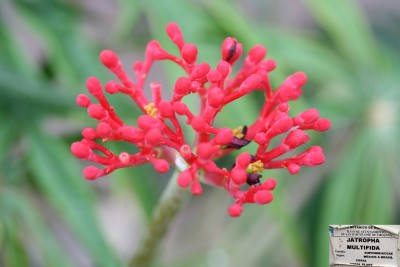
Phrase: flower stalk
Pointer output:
(165, 212)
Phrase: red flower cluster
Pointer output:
(161, 140)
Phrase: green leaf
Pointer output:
(18, 89)
(13, 253)
(12, 55)
(27, 219)
(55, 172)
(8, 134)
(358, 192)
(67, 51)
(348, 29)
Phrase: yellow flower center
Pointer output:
(255, 167)
(151, 110)
(238, 132)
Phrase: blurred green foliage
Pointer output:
(45, 56)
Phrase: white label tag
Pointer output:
(364, 245)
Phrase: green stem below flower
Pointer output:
(164, 214)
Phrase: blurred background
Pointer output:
(51, 216)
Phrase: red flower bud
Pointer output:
(224, 136)
(322, 125)
(189, 53)
(196, 188)
(295, 139)
(291, 88)
(239, 176)
(112, 87)
(215, 97)
(182, 86)
(308, 116)
(204, 151)
(256, 54)
(198, 124)
(92, 172)
(147, 122)
(214, 76)
(315, 156)
(249, 84)
(94, 87)
(293, 168)
(132, 134)
(231, 50)
(269, 184)
(263, 197)
(165, 109)
(224, 68)
(282, 124)
(175, 34)
(153, 137)
(199, 71)
(89, 133)
(181, 108)
(235, 210)
(97, 112)
(104, 129)
(243, 160)
(83, 100)
(185, 151)
(184, 179)
(80, 150)
(109, 59)
(160, 165)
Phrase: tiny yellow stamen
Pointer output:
(238, 132)
(255, 167)
(151, 110)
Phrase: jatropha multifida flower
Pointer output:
(160, 137)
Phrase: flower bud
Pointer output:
(307, 117)
(175, 34)
(104, 129)
(263, 197)
(189, 53)
(109, 59)
(235, 210)
(199, 71)
(182, 86)
(295, 139)
(132, 134)
(249, 84)
(94, 87)
(224, 68)
(293, 168)
(80, 150)
(165, 109)
(83, 100)
(89, 133)
(231, 50)
(322, 125)
(224, 136)
(160, 165)
(256, 54)
(215, 97)
(92, 172)
(97, 112)
(214, 76)
(184, 179)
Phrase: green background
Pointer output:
(51, 216)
